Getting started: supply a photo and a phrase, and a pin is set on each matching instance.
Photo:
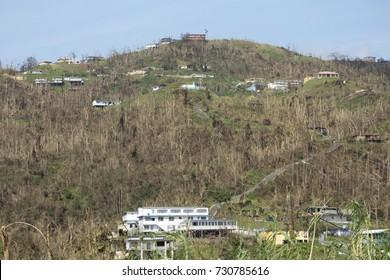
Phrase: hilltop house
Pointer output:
(45, 62)
(322, 74)
(64, 59)
(327, 74)
(92, 59)
(194, 37)
(369, 59)
(166, 41)
(151, 46)
(68, 60)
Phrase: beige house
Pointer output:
(322, 74)
(327, 74)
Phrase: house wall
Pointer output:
(327, 75)
(164, 218)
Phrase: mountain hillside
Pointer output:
(71, 169)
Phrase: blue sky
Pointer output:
(47, 29)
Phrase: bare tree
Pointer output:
(29, 63)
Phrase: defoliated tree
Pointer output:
(29, 63)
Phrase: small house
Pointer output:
(45, 62)
(375, 138)
(192, 86)
(328, 214)
(74, 81)
(37, 72)
(369, 59)
(194, 37)
(166, 41)
(105, 103)
(64, 59)
(151, 46)
(278, 85)
(283, 237)
(57, 82)
(327, 74)
(40, 81)
(92, 59)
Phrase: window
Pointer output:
(175, 210)
(160, 219)
(162, 211)
(171, 219)
(201, 210)
(188, 210)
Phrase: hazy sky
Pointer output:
(47, 29)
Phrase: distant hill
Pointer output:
(248, 59)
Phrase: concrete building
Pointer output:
(171, 219)
(328, 214)
(369, 59)
(327, 74)
(192, 86)
(278, 85)
(92, 59)
(166, 41)
(194, 37)
(151, 46)
(148, 231)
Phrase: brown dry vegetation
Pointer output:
(71, 170)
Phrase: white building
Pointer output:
(192, 86)
(105, 103)
(278, 85)
(151, 46)
(327, 74)
(328, 214)
(170, 219)
(146, 229)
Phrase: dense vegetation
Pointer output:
(71, 170)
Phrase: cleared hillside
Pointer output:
(73, 169)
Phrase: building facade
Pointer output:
(327, 74)
(194, 37)
(172, 219)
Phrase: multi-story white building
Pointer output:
(145, 229)
(170, 219)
